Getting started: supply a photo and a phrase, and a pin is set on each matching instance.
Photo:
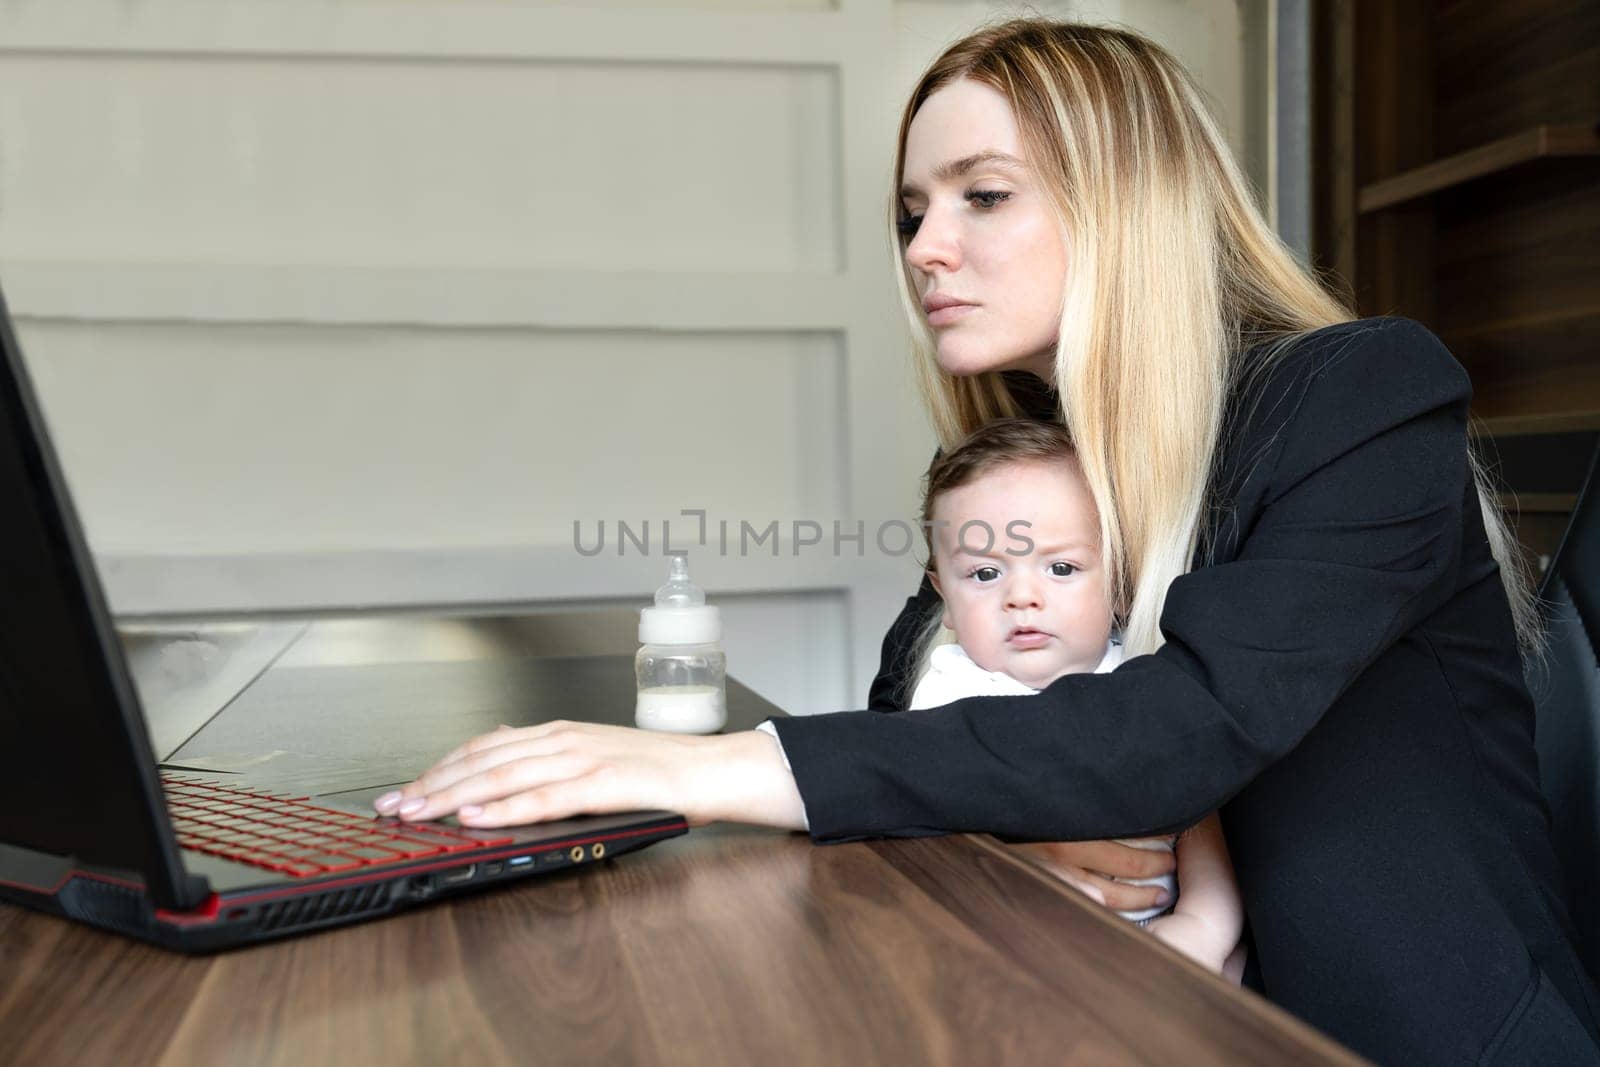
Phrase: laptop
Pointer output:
(93, 830)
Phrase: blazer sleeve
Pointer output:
(1356, 541)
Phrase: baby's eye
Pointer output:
(1062, 570)
(984, 574)
(987, 198)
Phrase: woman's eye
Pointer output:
(985, 574)
(1062, 570)
(987, 198)
(983, 199)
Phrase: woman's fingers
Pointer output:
(499, 737)
(515, 746)
(1110, 858)
(1116, 860)
(1084, 866)
(1119, 896)
(585, 794)
(516, 775)
(478, 755)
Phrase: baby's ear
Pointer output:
(933, 577)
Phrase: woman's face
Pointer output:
(983, 245)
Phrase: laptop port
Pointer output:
(460, 874)
(518, 861)
(493, 867)
(576, 855)
(420, 887)
(598, 850)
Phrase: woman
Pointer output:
(1320, 640)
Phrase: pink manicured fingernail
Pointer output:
(411, 807)
(471, 811)
(388, 802)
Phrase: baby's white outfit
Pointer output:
(952, 675)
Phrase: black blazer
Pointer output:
(1340, 678)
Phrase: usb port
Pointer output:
(460, 874)
(518, 861)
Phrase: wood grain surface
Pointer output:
(732, 945)
(729, 946)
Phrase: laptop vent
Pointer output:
(309, 910)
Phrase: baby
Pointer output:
(1014, 552)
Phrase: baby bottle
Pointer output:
(681, 668)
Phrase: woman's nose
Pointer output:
(934, 249)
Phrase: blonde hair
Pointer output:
(1173, 274)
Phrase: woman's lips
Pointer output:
(946, 315)
(1028, 639)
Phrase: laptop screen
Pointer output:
(80, 777)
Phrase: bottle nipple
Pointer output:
(679, 592)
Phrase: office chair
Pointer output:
(1566, 693)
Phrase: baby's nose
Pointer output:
(1023, 594)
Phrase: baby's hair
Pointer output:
(989, 447)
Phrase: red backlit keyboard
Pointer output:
(295, 837)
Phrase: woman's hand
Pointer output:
(1091, 866)
(560, 769)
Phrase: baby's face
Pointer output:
(1033, 611)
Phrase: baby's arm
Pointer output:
(1208, 919)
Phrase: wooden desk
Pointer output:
(731, 945)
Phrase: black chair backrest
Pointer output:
(1566, 692)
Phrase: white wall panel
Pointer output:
(793, 650)
(245, 439)
(316, 160)
(739, 6)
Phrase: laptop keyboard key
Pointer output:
(296, 837)
(368, 854)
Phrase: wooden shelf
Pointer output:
(1510, 425)
(1564, 319)
(1456, 177)
(1537, 142)
(1539, 503)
